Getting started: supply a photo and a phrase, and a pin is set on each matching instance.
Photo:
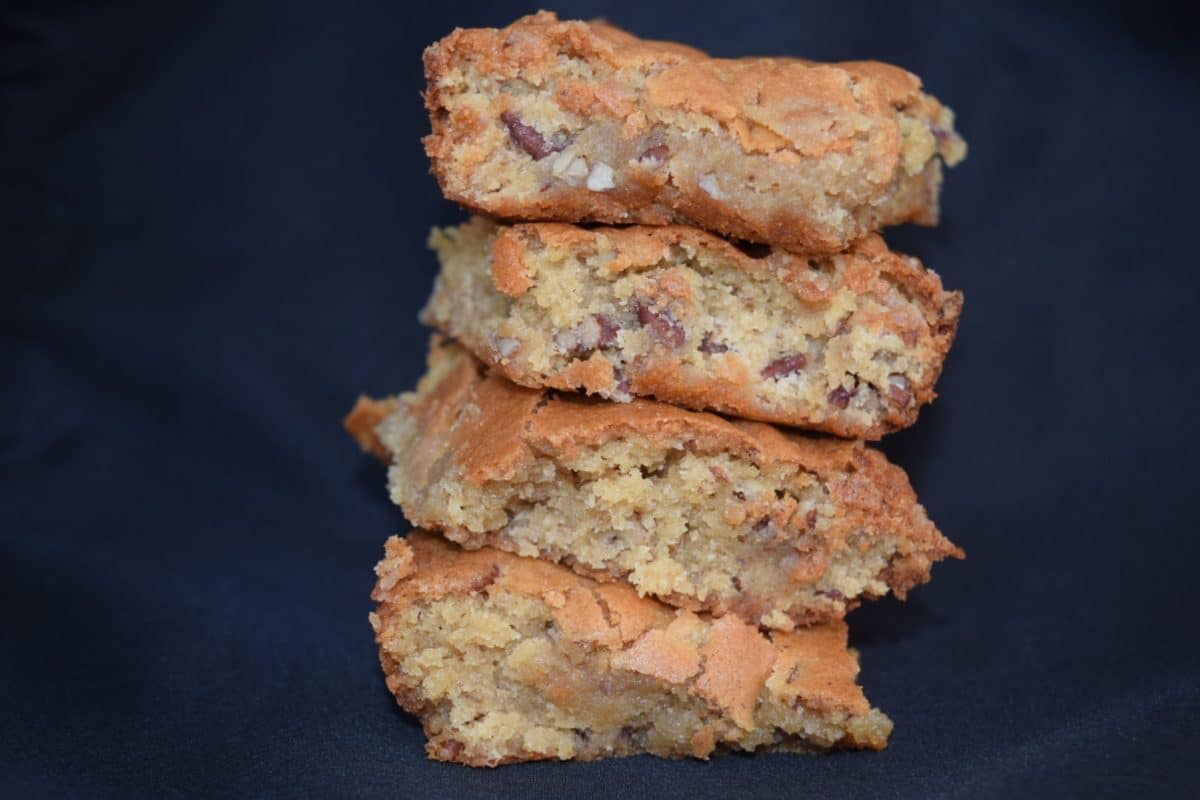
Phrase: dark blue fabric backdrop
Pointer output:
(213, 237)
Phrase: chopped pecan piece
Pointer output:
(707, 345)
(657, 154)
(608, 331)
(840, 397)
(785, 365)
(528, 138)
(898, 390)
(665, 327)
(621, 390)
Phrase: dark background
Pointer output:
(213, 238)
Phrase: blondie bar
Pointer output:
(849, 344)
(577, 121)
(509, 659)
(702, 512)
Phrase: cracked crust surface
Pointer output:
(699, 511)
(575, 121)
(509, 659)
(850, 344)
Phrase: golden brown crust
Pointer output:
(784, 113)
(737, 661)
(739, 672)
(797, 672)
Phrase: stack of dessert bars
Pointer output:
(636, 461)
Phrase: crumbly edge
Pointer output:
(498, 675)
(851, 344)
(541, 121)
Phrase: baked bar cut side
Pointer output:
(508, 659)
(850, 344)
(701, 512)
(576, 121)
